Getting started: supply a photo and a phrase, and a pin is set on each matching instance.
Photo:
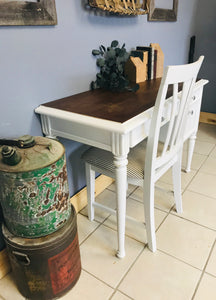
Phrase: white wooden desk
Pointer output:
(115, 122)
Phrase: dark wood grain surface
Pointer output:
(113, 106)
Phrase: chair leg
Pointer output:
(191, 144)
(176, 174)
(90, 183)
(148, 195)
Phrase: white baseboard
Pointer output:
(79, 200)
(208, 118)
(4, 263)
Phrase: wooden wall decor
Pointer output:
(162, 14)
(38, 12)
(121, 7)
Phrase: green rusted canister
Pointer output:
(46, 267)
(34, 190)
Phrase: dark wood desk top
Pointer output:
(113, 106)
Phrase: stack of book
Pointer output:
(145, 63)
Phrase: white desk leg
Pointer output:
(191, 144)
(46, 127)
(120, 163)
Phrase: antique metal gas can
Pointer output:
(46, 267)
(2, 243)
(34, 192)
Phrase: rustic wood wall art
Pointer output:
(33, 12)
(162, 14)
(121, 7)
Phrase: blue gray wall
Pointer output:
(40, 64)
(205, 31)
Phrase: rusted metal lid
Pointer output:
(44, 153)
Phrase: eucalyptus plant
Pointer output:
(111, 61)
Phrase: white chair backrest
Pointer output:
(174, 77)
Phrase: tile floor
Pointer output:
(184, 266)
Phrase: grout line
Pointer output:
(80, 244)
(201, 193)
(213, 149)
(156, 229)
(123, 277)
(210, 274)
(83, 269)
(145, 246)
(97, 227)
(203, 271)
(116, 288)
(169, 212)
(206, 172)
(179, 259)
(196, 170)
(187, 185)
(113, 294)
(136, 188)
(193, 222)
(195, 192)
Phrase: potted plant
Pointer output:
(111, 61)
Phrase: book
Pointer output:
(159, 60)
(149, 50)
(137, 53)
(155, 63)
(152, 63)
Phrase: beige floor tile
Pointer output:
(185, 177)
(88, 287)
(85, 227)
(111, 187)
(206, 289)
(136, 228)
(204, 184)
(203, 148)
(197, 160)
(154, 276)
(107, 198)
(159, 276)
(164, 199)
(211, 266)
(98, 255)
(209, 166)
(8, 289)
(207, 133)
(199, 209)
(213, 153)
(120, 296)
(130, 189)
(185, 240)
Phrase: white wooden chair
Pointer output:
(150, 159)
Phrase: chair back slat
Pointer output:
(177, 130)
(169, 136)
(174, 76)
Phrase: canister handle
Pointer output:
(21, 258)
(25, 141)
